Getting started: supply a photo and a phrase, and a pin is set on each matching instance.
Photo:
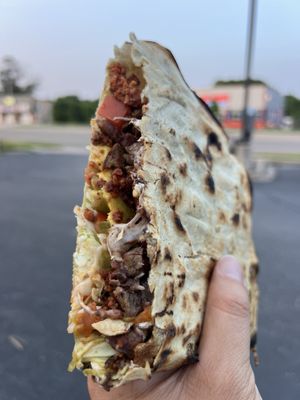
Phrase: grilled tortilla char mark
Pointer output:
(126, 292)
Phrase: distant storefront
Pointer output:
(24, 110)
(265, 104)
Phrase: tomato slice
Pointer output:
(111, 108)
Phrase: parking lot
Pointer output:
(37, 238)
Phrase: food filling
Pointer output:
(113, 300)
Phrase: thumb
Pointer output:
(225, 340)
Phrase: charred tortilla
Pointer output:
(163, 201)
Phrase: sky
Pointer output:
(65, 44)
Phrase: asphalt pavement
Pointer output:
(37, 238)
(75, 137)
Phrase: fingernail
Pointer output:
(230, 267)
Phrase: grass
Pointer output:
(9, 146)
(279, 157)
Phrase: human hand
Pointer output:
(224, 370)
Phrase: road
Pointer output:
(77, 137)
(37, 239)
(74, 136)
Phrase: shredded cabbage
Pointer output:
(90, 254)
(102, 349)
(96, 351)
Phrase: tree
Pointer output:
(67, 109)
(292, 106)
(88, 108)
(12, 78)
(215, 108)
(292, 109)
(71, 109)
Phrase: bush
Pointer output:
(71, 109)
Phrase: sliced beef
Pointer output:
(115, 157)
(117, 277)
(132, 302)
(115, 363)
(106, 134)
(128, 272)
(145, 352)
(132, 129)
(127, 139)
(127, 342)
(133, 261)
(98, 138)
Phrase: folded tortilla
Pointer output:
(163, 200)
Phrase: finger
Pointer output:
(226, 331)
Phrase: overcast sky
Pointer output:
(65, 44)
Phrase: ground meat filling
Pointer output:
(126, 293)
(124, 89)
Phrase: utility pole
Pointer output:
(261, 171)
(246, 126)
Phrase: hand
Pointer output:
(224, 370)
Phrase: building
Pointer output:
(44, 112)
(24, 110)
(265, 104)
